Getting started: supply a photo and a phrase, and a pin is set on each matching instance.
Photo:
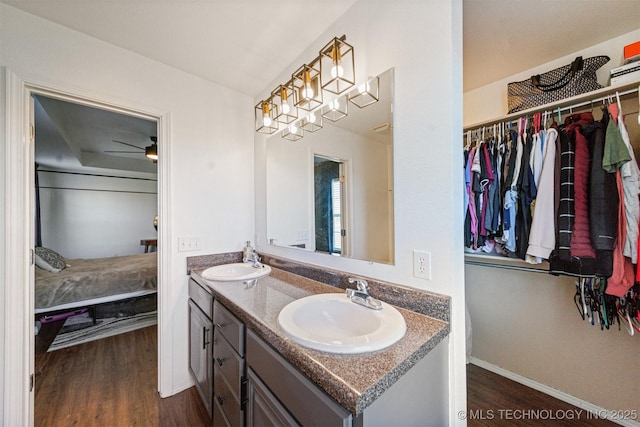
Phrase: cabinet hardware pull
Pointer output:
(221, 399)
(205, 332)
(220, 325)
(220, 361)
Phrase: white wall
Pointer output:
(490, 102)
(422, 41)
(2, 233)
(210, 136)
(86, 216)
(290, 189)
(527, 323)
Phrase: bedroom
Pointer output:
(96, 205)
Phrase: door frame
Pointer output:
(19, 339)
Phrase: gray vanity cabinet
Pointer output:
(274, 384)
(229, 368)
(200, 341)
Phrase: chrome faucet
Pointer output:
(254, 259)
(361, 295)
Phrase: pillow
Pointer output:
(49, 260)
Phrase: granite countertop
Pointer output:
(353, 380)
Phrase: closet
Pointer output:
(527, 323)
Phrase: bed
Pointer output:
(89, 282)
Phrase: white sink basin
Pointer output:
(335, 324)
(237, 271)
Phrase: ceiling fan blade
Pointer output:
(130, 145)
(115, 151)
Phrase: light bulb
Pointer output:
(307, 92)
(312, 118)
(285, 108)
(334, 104)
(293, 129)
(336, 56)
(267, 120)
(337, 71)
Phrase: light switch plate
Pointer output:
(188, 243)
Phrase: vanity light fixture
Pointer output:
(307, 87)
(337, 66)
(333, 70)
(366, 94)
(336, 109)
(292, 132)
(312, 122)
(283, 102)
(265, 117)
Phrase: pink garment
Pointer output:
(580, 245)
(623, 275)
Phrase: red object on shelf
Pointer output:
(632, 51)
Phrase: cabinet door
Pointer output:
(263, 409)
(200, 353)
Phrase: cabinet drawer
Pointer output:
(229, 326)
(229, 405)
(201, 297)
(303, 399)
(228, 363)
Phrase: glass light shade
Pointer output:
(336, 109)
(283, 102)
(292, 132)
(312, 122)
(366, 94)
(151, 152)
(337, 66)
(307, 86)
(265, 117)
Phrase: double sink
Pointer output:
(329, 322)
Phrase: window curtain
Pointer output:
(324, 174)
(38, 227)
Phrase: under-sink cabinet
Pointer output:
(200, 341)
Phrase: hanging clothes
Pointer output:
(542, 239)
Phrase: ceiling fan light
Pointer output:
(151, 152)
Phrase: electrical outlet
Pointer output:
(422, 264)
(188, 243)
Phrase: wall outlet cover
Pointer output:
(422, 264)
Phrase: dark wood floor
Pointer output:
(110, 382)
(113, 382)
(493, 400)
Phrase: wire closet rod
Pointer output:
(514, 116)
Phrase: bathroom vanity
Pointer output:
(249, 373)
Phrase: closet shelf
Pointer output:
(498, 261)
(568, 102)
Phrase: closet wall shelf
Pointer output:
(574, 101)
(497, 261)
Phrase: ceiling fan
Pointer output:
(151, 151)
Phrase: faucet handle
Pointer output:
(361, 284)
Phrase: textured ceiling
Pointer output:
(245, 44)
(241, 44)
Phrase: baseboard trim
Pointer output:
(560, 395)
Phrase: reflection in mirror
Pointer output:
(331, 191)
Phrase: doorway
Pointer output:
(329, 205)
(19, 183)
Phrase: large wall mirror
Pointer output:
(331, 191)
